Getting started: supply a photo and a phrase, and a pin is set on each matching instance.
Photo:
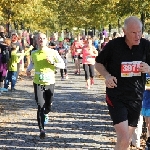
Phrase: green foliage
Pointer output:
(55, 15)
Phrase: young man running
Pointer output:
(44, 60)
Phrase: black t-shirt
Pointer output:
(4, 47)
(119, 60)
(52, 43)
(6, 52)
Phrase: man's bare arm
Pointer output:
(110, 81)
(102, 70)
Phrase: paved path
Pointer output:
(79, 119)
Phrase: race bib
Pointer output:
(88, 58)
(130, 69)
(79, 50)
(45, 77)
(148, 81)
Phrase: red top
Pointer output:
(88, 56)
(77, 48)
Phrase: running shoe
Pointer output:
(88, 87)
(4, 90)
(62, 79)
(42, 134)
(75, 72)
(46, 119)
(13, 89)
(66, 76)
(92, 81)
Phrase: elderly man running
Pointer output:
(123, 63)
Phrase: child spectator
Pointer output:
(62, 71)
(62, 53)
(12, 69)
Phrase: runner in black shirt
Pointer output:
(123, 63)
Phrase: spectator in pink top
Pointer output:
(89, 53)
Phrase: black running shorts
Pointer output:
(121, 110)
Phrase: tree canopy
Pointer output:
(55, 15)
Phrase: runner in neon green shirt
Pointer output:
(44, 61)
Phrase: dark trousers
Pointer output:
(44, 97)
(89, 71)
(62, 72)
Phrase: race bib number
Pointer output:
(148, 81)
(130, 69)
(79, 50)
(88, 58)
(45, 77)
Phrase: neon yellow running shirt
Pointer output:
(44, 70)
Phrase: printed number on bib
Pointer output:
(130, 69)
(88, 58)
(148, 81)
(45, 77)
(79, 50)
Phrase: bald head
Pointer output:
(131, 20)
(132, 31)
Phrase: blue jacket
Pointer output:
(146, 94)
